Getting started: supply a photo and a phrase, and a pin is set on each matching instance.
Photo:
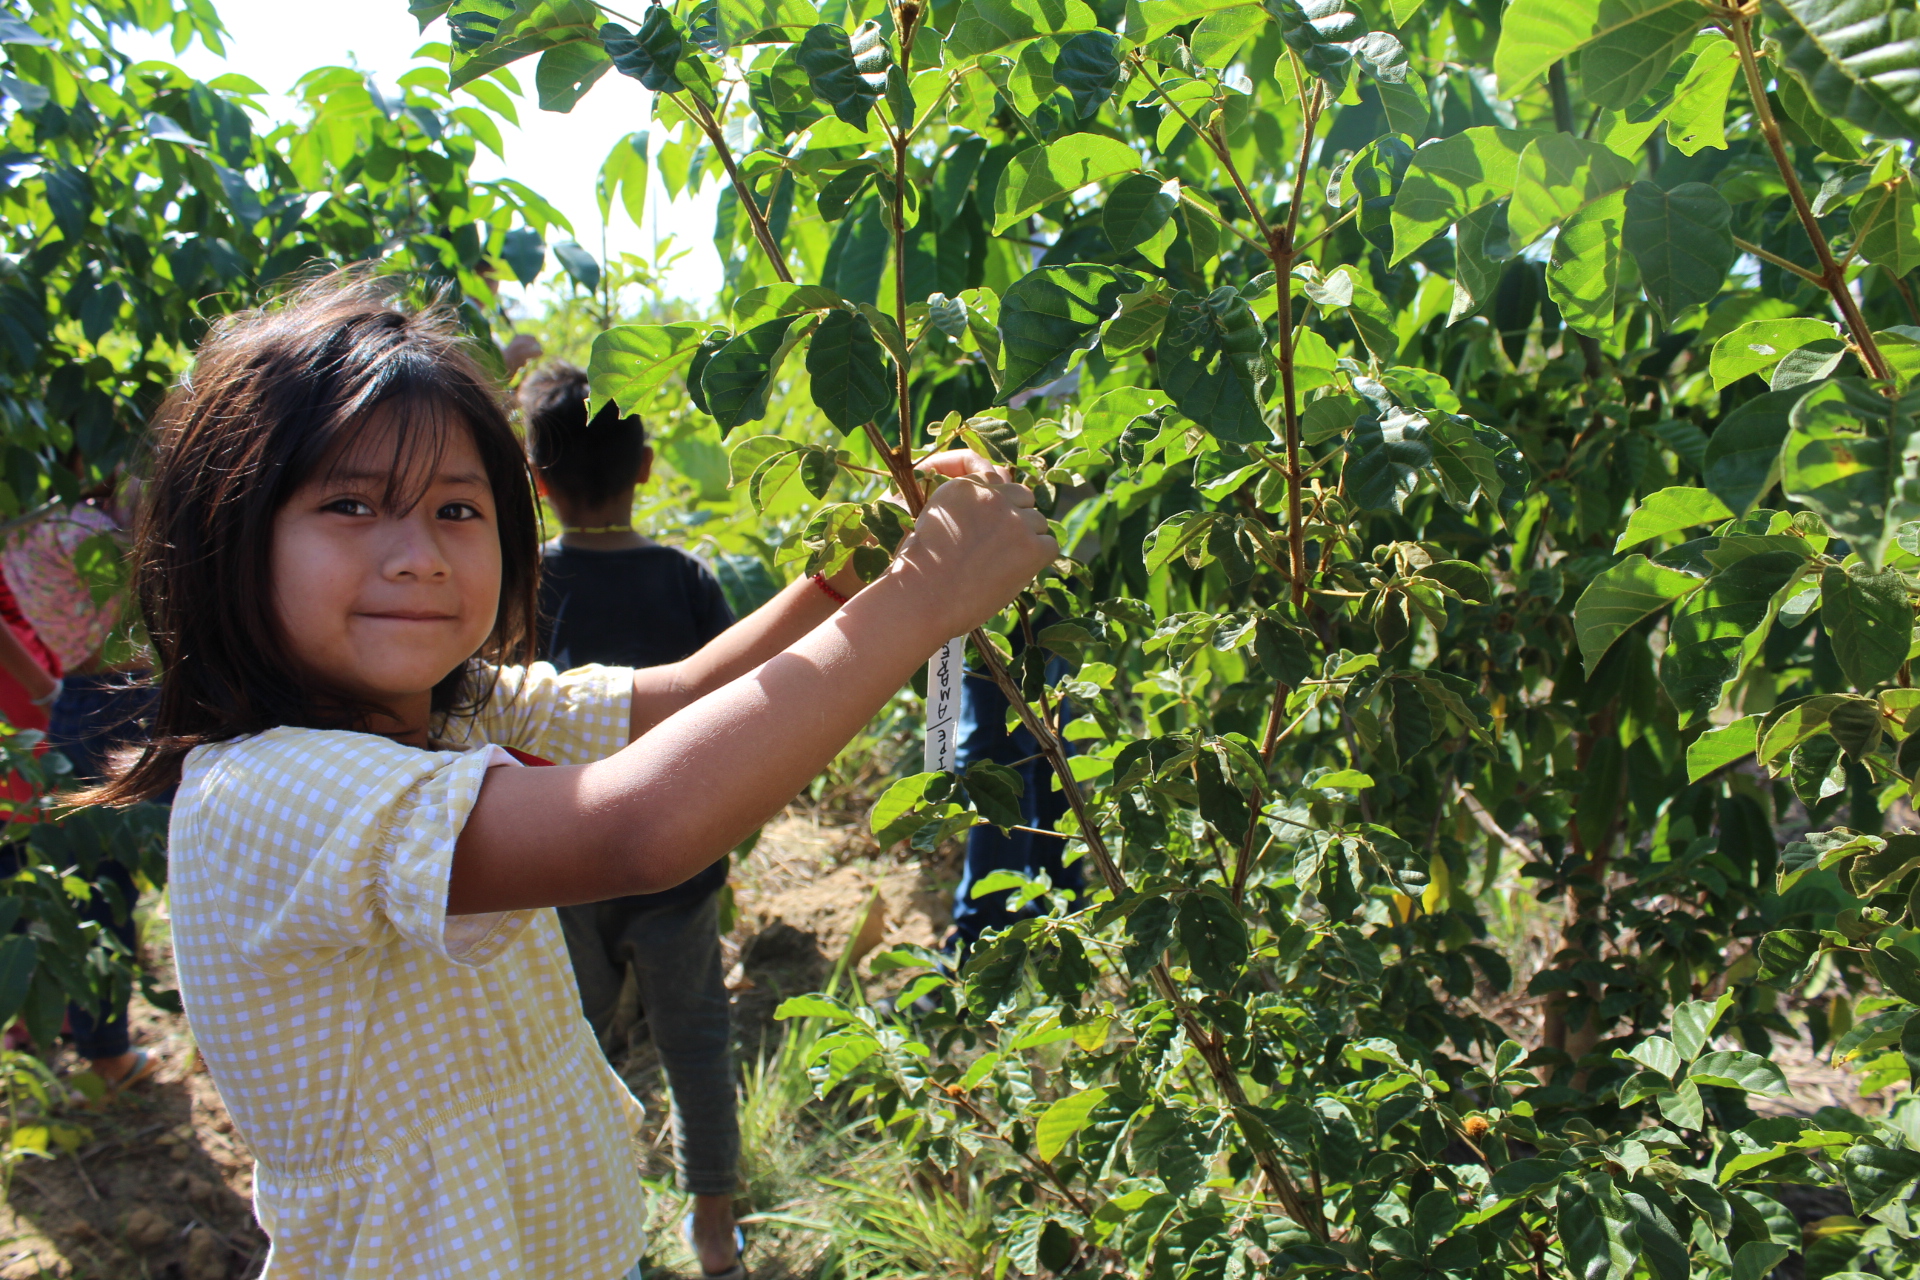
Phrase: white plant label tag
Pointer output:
(944, 673)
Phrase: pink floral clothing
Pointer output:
(38, 563)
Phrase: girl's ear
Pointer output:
(540, 484)
(646, 464)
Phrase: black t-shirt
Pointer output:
(634, 608)
(639, 607)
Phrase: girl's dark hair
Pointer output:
(275, 395)
(588, 462)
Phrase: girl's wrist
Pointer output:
(844, 585)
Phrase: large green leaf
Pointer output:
(1660, 1244)
(1886, 225)
(1050, 313)
(1738, 1069)
(1621, 64)
(1857, 59)
(1215, 939)
(1758, 346)
(1213, 363)
(1139, 209)
(650, 55)
(1558, 175)
(1535, 34)
(1596, 1229)
(1584, 273)
(739, 377)
(566, 72)
(982, 26)
(1697, 119)
(489, 34)
(852, 382)
(1681, 240)
(1876, 1176)
(739, 22)
(1618, 599)
(1835, 461)
(630, 361)
(1870, 621)
(1041, 175)
(1064, 1118)
(1088, 67)
(848, 73)
(1450, 178)
(1743, 453)
(1669, 511)
(1716, 630)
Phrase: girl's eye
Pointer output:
(348, 507)
(458, 511)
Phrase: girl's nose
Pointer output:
(414, 551)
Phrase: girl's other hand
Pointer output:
(977, 543)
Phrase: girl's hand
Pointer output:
(977, 543)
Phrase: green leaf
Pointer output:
(1786, 956)
(1088, 68)
(566, 72)
(1213, 363)
(1584, 272)
(1835, 461)
(1870, 621)
(1049, 314)
(1215, 940)
(739, 376)
(1717, 748)
(1698, 117)
(1138, 209)
(1066, 1117)
(1718, 628)
(1743, 453)
(1886, 225)
(1558, 175)
(852, 382)
(1738, 1069)
(848, 73)
(1039, 176)
(739, 22)
(1622, 64)
(908, 805)
(18, 958)
(630, 361)
(1683, 1107)
(995, 791)
(982, 26)
(1451, 178)
(1660, 1244)
(1877, 1176)
(1694, 1021)
(1758, 345)
(1756, 1259)
(1596, 1229)
(1857, 59)
(651, 55)
(1535, 34)
(1150, 19)
(1669, 511)
(1681, 241)
(1618, 599)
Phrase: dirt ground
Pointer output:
(161, 1189)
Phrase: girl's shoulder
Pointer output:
(334, 759)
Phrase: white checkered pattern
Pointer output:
(422, 1094)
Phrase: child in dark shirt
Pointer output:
(608, 595)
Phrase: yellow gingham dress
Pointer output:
(422, 1094)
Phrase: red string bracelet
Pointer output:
(820, 581)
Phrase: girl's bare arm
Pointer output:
(707, 774)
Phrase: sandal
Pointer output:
(145, 1064)
(738, 1271)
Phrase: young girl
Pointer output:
(337, 568)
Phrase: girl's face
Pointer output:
(379, 603)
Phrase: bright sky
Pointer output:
(275, 43)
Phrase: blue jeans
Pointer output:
(94, 714)
(984, 736)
